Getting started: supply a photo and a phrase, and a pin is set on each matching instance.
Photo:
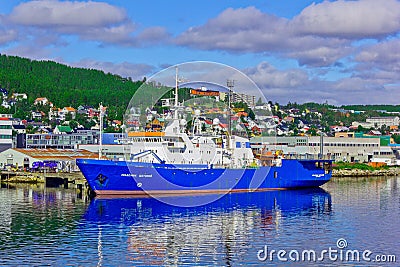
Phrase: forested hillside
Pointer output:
(388, 108)
(64, 85)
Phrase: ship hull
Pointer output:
(134, 178)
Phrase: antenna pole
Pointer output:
(101, 131)
(176, 94)
(321, 146)
(230, 84)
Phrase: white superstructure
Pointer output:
(176, 147)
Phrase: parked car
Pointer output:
(48, 165)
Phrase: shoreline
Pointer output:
(365, 173)
(36, 178)
(77, 177)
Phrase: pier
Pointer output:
(50, 179)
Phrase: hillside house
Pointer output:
(42, 101)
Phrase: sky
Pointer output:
(340, 52)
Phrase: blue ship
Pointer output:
(107, 177)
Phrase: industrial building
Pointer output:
(61, 141)
(381, 121)
(115, 152)
(23, 158)
(238, 97)
(337, 148)
(6, 128)
(378, 122)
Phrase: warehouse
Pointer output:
(337, 148)
(23, 158)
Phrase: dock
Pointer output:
(50, 179)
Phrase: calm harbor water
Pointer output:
(41, 226)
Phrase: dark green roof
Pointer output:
(64, 129)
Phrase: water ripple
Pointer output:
(55, 228)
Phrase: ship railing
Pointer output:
(308, 157)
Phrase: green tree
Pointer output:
(30, 129)
(109, 129)
(396, 138)
(22, 110)
(73, 124)
(68, 116)
(64, 85)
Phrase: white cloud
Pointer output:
(250, 30)
(384, 55)
(357, 90)
(288, 85)
(95, 21)
(319, 36)
(153, 35)
(67, 14)
(6, 34)
(350, 19)
(119, 34)
(36, 43)
(29, 51)
(124, 69)
(295, 85)
(267, 76)
(321, 55)
(244, 29)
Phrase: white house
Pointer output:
(18, 96)
(60, 114)
(41, 101)
(5, 115)
(36, 115)
(387, 121)
(265, 106)
(69, 110)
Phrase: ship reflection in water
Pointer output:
(222, 232)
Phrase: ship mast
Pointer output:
(101, 131)
(176, 94)
(230, 84)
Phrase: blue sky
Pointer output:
(343, 52)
